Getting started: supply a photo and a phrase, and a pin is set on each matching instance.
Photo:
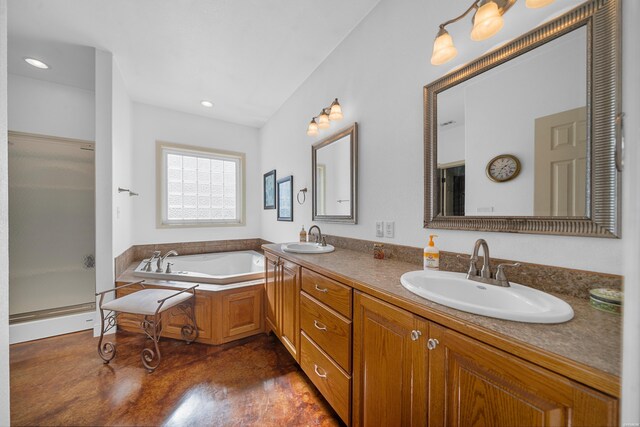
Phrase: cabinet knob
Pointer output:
(432, 343)
(415, 335)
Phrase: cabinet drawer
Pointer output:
(330, 330)
(334, 294)
(333, 382)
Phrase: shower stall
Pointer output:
(51, 227)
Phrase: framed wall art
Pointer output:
(285, 199)
(269, 190)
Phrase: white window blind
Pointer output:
(201, 187)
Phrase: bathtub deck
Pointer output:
(254, 381)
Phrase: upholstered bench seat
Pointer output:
(145, 301)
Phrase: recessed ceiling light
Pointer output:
(207, 104)
(36, 63)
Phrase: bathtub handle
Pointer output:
(319, 325)
(323, 290)
(316, 368)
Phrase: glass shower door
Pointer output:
(51, 227)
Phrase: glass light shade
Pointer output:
(534, 4)
(443, 49)
(487, 21)
(312, 130)
(336, 111)
(36, 63)
(323, 121)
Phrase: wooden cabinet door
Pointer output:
(389, 367)
(175, 319)
(271, 289)
(474, 384)
(241, 313)
(289, 296)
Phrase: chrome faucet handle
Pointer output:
(168, 270)
(147, 265)
(324, 241)
(156, 254)
(473, 270)
(501, 276)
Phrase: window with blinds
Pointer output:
(200, 186)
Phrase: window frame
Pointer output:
(162, 149)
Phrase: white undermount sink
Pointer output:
(307, 248)
(517, 302)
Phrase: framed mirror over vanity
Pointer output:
(334, 165)
(526, 138)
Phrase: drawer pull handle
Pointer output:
(323, 290)
(318, 369)
(415, 335)
(432, 343)
(319, 325)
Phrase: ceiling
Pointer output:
(246, 56)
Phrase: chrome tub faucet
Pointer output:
(162, 258)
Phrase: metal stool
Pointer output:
(150, 303)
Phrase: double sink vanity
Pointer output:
(382, 355)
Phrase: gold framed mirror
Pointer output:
(511, 112)
(334, 165)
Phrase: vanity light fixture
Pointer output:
(324, 119)
(36, 63)
(487, 21)
(206, 103)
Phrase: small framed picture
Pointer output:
(269, 189)
(285, 199)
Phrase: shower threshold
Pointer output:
(52, 312)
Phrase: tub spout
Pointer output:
(162, 258)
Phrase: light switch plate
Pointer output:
(379, 229)
(389, 228)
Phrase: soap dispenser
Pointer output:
(431, 255)
(303, 235)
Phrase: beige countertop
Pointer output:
(586, 348)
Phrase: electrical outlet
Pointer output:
(379, 229)
(389, 228)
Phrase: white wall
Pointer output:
(151, 124)
(122, 162)
(4, 225)
(47, 108)
(104, 171)
(378, 73)
(631, 219)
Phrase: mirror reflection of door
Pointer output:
(561, 164)
(452, 189)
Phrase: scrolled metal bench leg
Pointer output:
(106, 351)
(190, 331)
(152, 328)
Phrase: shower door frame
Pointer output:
(60, 320)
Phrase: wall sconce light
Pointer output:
(487, 21)
(322, 120)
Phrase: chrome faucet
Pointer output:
(485, 276)
(486, 267)
(162, 258)
(319, 239)
(147, 266)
